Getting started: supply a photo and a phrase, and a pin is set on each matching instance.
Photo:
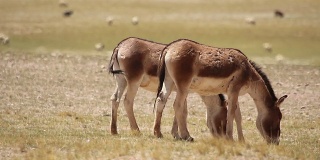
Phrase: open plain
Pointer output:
(55, 90)
(57, 107)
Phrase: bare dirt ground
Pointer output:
(44, 85)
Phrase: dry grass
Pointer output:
(57, 107)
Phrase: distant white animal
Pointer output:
(4, 39)
(267, 47)
(250, 20)
(135, 20)
(63, 3)
(279, 57)
(109, 20)
(99, 46)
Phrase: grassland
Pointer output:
(39, 25)
(54, 89)
(57, 107)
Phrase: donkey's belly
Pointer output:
(208, 86)
(150, 83)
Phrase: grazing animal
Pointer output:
(4, 39)
(250, 20)
(209, 71)
(278, 13)
(63, 3)
(67, 13)
(135, 20)
(267, 47)
(99, 46)
(134, 64)
(109, 20)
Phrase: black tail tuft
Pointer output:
(112, 61)
(161, 74)
(116, 72)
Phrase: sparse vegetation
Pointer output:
(54, 88)
(57, 107)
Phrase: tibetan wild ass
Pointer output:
(209, 71)
(278, 13)
(134, 64)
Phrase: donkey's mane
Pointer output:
(265, 79)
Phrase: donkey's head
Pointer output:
(216, 114)
(220, 119)
(269, 123)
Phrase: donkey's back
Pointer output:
(134, 64)
(138, 60)
(207, 69)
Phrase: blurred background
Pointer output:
(269, 30)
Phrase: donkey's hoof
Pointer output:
(114, 132)
(177, 137)
(230, 139)
(242, 140)
(158, 134)
(190, 139)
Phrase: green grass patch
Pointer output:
(40, 26)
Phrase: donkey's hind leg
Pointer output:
(160, 104)
(174, 130)
(181, 112)
(128, 104)
(121, 85)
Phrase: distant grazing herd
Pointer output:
(4, 39)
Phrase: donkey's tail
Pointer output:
(161, 74)
(113, 60)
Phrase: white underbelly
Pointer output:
(209, 86)
(149, 83)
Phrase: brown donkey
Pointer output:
(209, 71)
(134, 64)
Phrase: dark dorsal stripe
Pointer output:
(139, 39)
(265, 79)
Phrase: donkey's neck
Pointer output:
(261, 96)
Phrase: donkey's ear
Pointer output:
(280, 100)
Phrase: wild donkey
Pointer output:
(134, 64)
(209, 71)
